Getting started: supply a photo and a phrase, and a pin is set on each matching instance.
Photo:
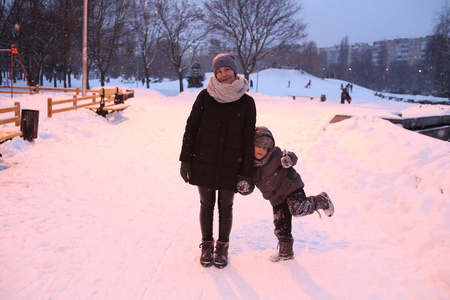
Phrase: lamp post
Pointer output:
(85, 79)
(257, 79)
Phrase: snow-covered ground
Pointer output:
(96, 209)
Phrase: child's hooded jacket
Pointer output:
(269, 176)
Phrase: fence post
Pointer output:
(74, 100)
(17, 113)
(37, 88)
(49, 107)
(77, 91)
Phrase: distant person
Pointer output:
(308, 85)
(275, 177)
(345, 96)
(347, 88)
(217, 152)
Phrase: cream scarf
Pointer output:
(226, 92)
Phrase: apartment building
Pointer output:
(410, 50)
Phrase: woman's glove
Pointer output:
(244, 186)
(286, 161)
(185, 170)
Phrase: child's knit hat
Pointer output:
(263, 137)
(264, 141)
(224, 60)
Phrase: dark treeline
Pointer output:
(155, 39)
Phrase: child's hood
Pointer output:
(264, 136)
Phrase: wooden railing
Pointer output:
(108, 94)
(16, 118)
(36, 89)
(8, 90)
(75, 105)
(6, 135)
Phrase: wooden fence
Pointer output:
(109, 95)
(36, 89)
(6, 135)
(16, 110)
(75, 105)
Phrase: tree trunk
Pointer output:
(102, 78)
(180, 78)
(147, 79)
(69, 79)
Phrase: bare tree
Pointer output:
(182, 28)
(9, 31)
(66, 19)
(343, 59)
(361, 62)
(439, 51)
(381, 68)
(310, 58)
(148, 32)
(108, 21)
(255, 28)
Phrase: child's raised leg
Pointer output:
(300, 205)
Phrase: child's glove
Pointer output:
(286, 161)
(244, 187)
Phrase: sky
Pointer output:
(368, 21)
(96, 209)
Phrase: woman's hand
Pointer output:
(185, 171)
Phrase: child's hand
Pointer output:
(286, 161)
(244, 187)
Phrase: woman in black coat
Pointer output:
(217, 149)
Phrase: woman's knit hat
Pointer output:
(224, 60)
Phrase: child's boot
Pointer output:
(322, 201)
(221, 255)
(206, 258)
(285, 251)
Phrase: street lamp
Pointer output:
(85, 79)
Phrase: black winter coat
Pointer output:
(218, 141)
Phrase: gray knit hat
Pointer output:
(263, 137)
(224, 60)
(264, 141)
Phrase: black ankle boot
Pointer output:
(221, 255)
(206, 258)
(322, 201)
(285, 251)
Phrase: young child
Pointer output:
(275, 177)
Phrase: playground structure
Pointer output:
(15, 51)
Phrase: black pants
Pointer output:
(225, 207)
(296, 204)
